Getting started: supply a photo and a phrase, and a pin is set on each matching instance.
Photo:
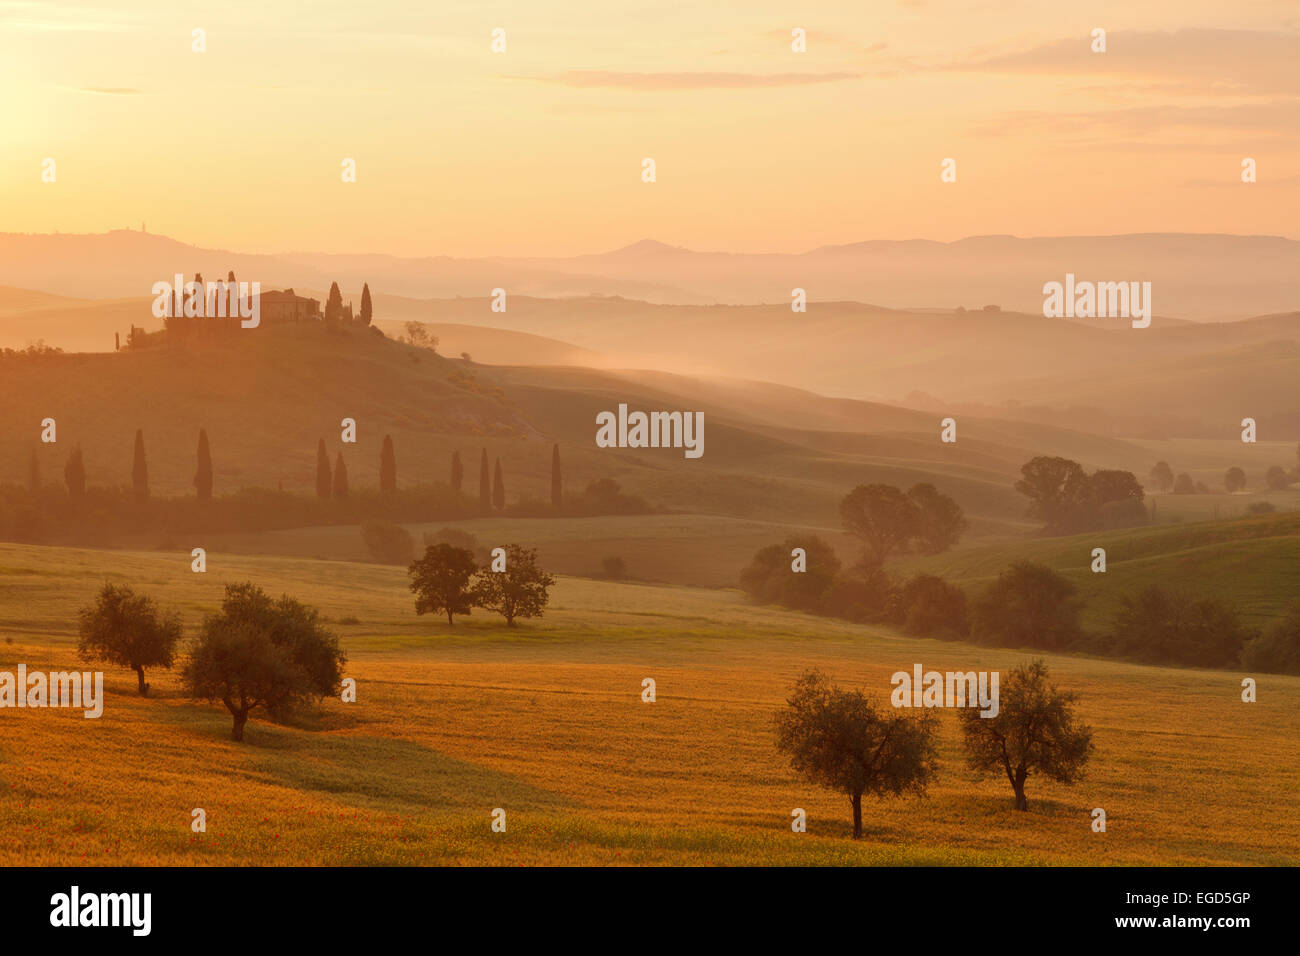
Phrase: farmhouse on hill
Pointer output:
(285, 306)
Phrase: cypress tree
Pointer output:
(367, 310)
(498, 489)
(457, 471)
(203, 477)
(557, 487)
(340, 477)
(323, 485)
(387, 467)
(484, 482)
(74, 473)
(334, 305)
(139, 469)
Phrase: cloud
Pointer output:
(818, 38)
(29, 17)
(1201, 62)
(1233, 181)
(614, 80)
(1272, 118)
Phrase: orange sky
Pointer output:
(537, 151)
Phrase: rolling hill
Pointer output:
(1248, 562)
(547, 721)
(267, 397)
(1201, 276)
(1188, 380)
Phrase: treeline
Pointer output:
(102, 516)
(1028, 606)
(1069, 501)
(35, 351)
(1235, 479)
(80, 513)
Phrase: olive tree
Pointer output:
(260, 652)
(1035, 731)
(129, 630)
(836, 738)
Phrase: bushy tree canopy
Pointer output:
(128, 629)
(836, 738)
(1035, 731)
(441, 580)
(258, 651)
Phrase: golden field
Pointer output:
(546, 721)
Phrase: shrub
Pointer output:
(387, 543)
(1029, 605)
(928, 606)
(770, 579)
(1277, 650)
(458, 538)
(860, 594)
(1161, 626)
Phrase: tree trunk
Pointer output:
(1019, 785)
(144, 688)
(450, 622)
(237, 732)
(857, 816)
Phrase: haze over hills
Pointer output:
(1174, 379)
(266, 397)
(1198, 276)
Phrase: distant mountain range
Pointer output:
(1193, 276)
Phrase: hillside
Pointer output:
(1248, 562)
(548, 723)
(1172, 380)
(267, 397)
(1201, 276)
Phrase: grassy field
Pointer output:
(699, 550)
(546, 722)
(1249, 562)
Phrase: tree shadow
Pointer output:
(357, 769)
(364, 770)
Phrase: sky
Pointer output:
(538, 150)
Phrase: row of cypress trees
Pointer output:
(330, 482)
(492, 492)
(74, 472)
